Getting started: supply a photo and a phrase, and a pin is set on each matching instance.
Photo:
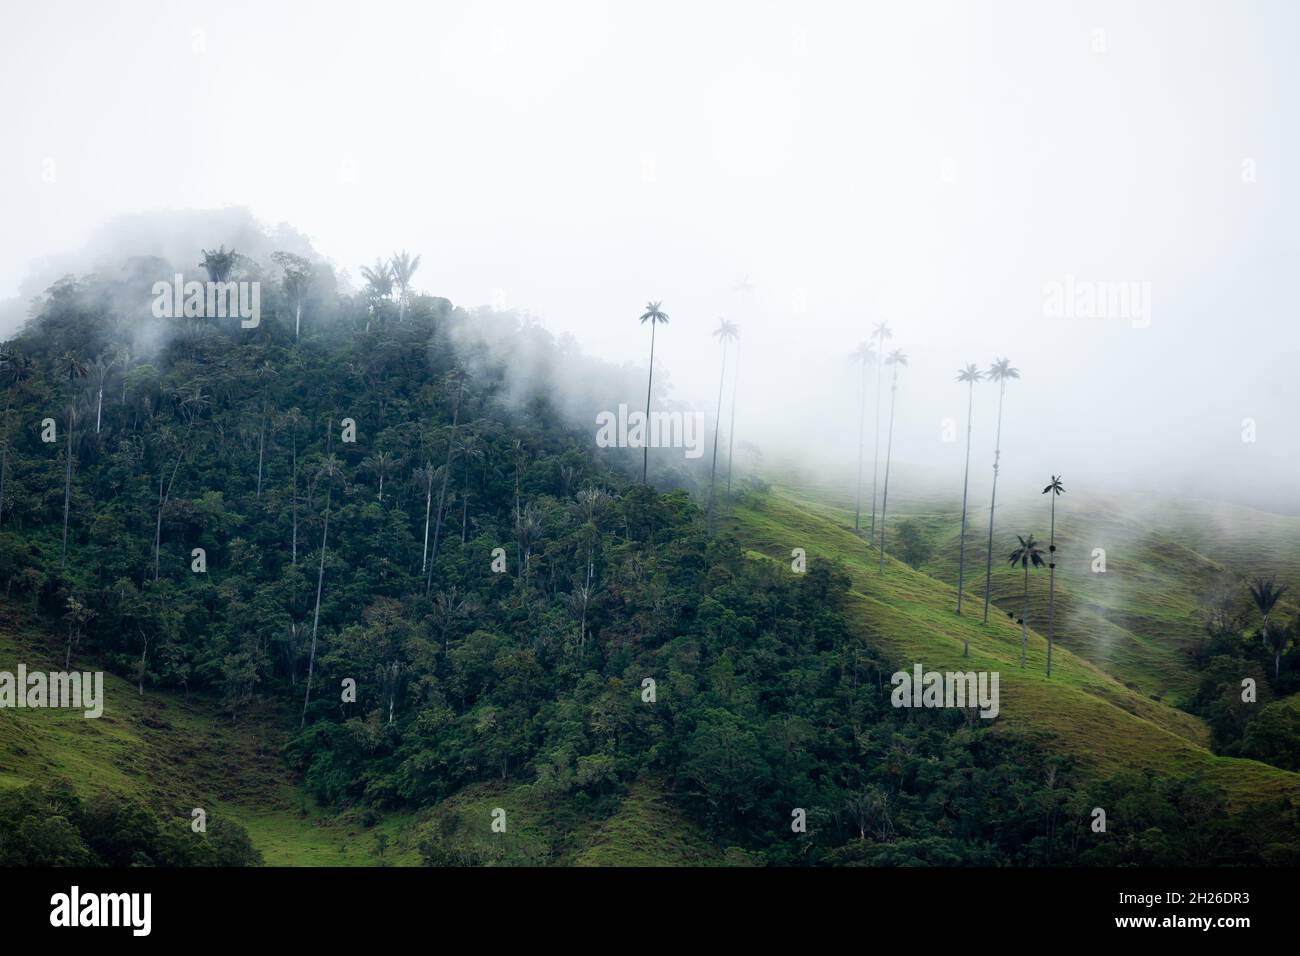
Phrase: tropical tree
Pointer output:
(1000, 372)
(1266, 594)
(102, 368)
(297, 279)
(1027, 554)
(879, 333)
(191, 406)
(1057, 489)
(379, 464)
(293, 420)
(330, 468)
(446, 475)
(731, 429)
(970, 375)
(655, 316)
(896, 359)
(72, 368)
(219, 264)
(15, 368)
(379, 278)
(1276, 638)
(425, 476)
(725, 333)
(403, 268)
(864, 354)
(264, 374)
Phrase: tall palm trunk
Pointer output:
(442, 494)
(428, 508)
(717, 425)
(163, 498)
(315, 621)
(965, 485)
(1051, 583)
(875, 458)
(261, 448)
(1024, 619)
(862, 446)
(99, 408)
(67, 492)
(997, 455)
(294, 496)
(731, 429)
(645, 455)
(889, 449)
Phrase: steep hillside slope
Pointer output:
(1089, 713)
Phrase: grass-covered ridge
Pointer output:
(1089, 714)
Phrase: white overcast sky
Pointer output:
(932, 164)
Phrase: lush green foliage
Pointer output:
(374, 561)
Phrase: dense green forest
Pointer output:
(358, 493)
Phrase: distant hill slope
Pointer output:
(1090, 714)
(176, 755)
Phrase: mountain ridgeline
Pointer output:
(351, 513)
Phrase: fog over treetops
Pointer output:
(804, 171)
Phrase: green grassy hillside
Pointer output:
(176, 754)
(1090, 713)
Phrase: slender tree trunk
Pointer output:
(875, 458)
(997, 456)
(99, 408)
(144, 657)
(1051, 583)
(645, 437)
(464, 502)
(261, 447)
(731, 429)
(67, 492)
(717, 425)
(862, 446)
(163, 498)
(315, 622)
(4, 468)
(889, 451)
(428, 508)
(293, 494)
(965, 485)
(1024, 619)
(442, 493)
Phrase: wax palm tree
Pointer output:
(15, 368)
(1276, 638)
(71, 367)
(293, 420)
(879, 333)
(297, 279)
(654, 315)
(1027, 554)
(1057, 489)
(731, 429)
(970, 375)
(425, 476)
(219, 264)
(329, 469)
(264, 374)
(379, 464)
(896, 359)
(725, 333)
(102, 367)
(864, 354)
(1000, 372)
(403, 270)
(379, 278)
(1266, 594)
